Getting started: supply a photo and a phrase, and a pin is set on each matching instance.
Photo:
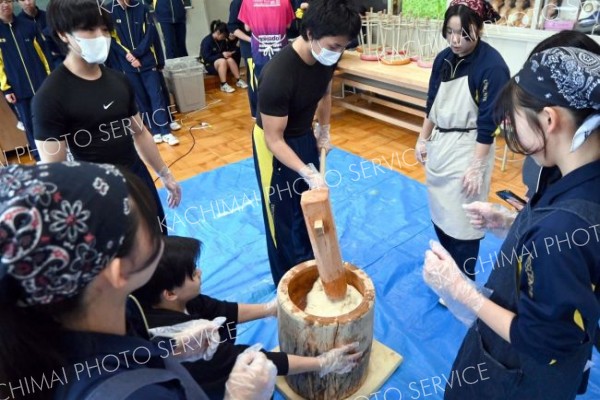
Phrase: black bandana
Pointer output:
(60, 224)
(563, 76)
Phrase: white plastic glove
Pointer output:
(460, 294)
(323, 137)
(490, 216)
(421, 151)
(313, 177)
(252, 377)
(196, 339)
(271, 307)
(169, 182)
(473, 178)
(340, 361)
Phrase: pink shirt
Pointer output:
(268, 20)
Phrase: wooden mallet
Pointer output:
(323, 238)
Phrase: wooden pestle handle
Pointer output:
(318, 217)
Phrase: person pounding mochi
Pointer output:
(292, 85)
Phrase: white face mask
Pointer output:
(94, 51)
(326, 57)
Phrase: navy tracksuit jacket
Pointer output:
(135, 33)
(23, 68)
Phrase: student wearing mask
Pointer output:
(291, 87)
(90, 108)
(536, 330)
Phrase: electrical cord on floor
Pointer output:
(203, 125)
(190, 129)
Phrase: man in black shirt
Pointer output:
(89, 109)
(291, 87)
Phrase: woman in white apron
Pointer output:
(456, 143)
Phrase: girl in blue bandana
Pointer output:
(534, 334)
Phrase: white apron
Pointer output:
(450, 150)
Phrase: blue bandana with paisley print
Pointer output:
(566, 77)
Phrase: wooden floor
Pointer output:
(227, 139)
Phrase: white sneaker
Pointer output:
(226, 88)
(170, 139)
(174, 126)
(20, 126)
(241, 84)
(157, 139)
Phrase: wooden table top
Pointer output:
(409, 76)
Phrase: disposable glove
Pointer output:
(323, 137)
(473, 178)
(460, 294)
(490, 216)
(314, 179)
(195, 340)
(340, 361)
(252, 377)
(421, 151)
(169, 182)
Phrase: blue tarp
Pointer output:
(383, 226)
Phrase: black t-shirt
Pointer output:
(201, 307)
(290, 87)
(212, 375)
(92, 116)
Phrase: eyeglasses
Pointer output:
(6, 1)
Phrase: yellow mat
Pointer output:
(382, 364)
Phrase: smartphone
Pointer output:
(507, 195)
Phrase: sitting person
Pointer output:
(218, 59)
(233, 46)
(172, 297)
(76, 239)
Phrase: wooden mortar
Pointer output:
(309, 335)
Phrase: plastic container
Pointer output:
(185, 79)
